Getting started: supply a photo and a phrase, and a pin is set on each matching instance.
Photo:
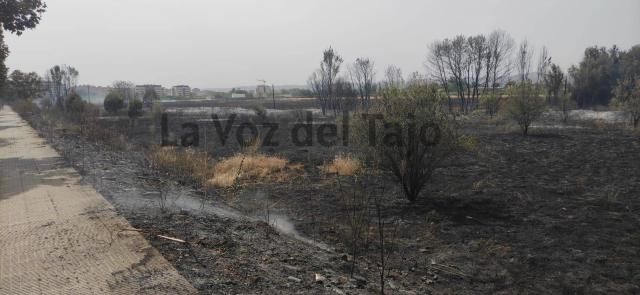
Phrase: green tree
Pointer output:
(126, 89)
(627, 96)
(16, 16)
(633, 106)
(595, 76)
(630, 63)
(4, 53)
(74, 107)
(525, 106)
(24, 85)
(627, 90)
(113, 102)
(553, 82)
(135, 109)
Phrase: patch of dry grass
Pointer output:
(190, 165)
(343, 165)
(186, 164)
(249, 166)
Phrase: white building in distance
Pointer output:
(142, 89)
(181, 91)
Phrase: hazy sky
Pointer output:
(226, 43)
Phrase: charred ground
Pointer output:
(556, 212)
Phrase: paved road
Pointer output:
(60, 237)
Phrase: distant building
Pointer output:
(238, 95)
(181, 91)
(142, 89)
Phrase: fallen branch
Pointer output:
(171, 239)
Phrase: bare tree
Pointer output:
(498, 59)
(458, 65)
(61, 81)
(477, 51)
(330, 67)
(316, 84)
(523, 60)
(394, 79)
(470, 65)
(345, 96)
(437, 66)
(322, 81)
(362, 76)
(543, 65)
(449, 62)
(70, 79)
(54, 79)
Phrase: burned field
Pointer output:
(555, 212)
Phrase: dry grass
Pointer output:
(249, 166)
(186, 164)
(343, 165)
(190, 165)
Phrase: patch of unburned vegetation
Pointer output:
(343, 165)
(186, 164)
(252, 167)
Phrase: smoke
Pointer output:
(179, 199)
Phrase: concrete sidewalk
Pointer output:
(60, 237)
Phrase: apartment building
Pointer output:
(181, 91)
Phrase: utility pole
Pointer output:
(273, 93)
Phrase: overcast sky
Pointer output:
(226, 43)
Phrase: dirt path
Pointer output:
(60, 237)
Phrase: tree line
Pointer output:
(479, 71)
(16, 17)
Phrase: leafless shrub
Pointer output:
(357, 219)
(492, 103)
(414, 132)
(387, 231)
